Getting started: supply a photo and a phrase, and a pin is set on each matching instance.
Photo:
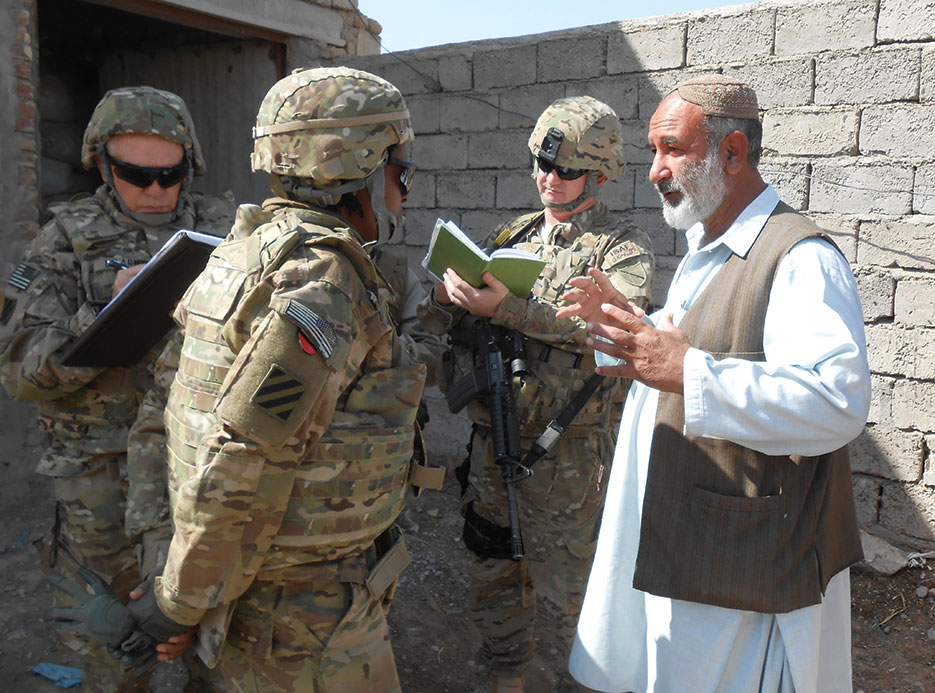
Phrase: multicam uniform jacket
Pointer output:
(589, 239)
(54, 295)
(290, 419)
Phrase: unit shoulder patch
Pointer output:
(279, 393)
(619, 253)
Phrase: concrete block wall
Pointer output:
(847, 89)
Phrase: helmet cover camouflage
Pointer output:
(142, 111)
(591, 135)
(328, 125)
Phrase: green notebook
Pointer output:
(451, 247)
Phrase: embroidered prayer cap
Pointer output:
(720, 95)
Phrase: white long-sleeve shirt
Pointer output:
(810, 396)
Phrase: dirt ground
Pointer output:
(893, 627)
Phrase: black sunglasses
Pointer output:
(562, 172)
(406, 174)
(144, 176)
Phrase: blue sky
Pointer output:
(411, 24)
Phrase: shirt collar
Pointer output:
(741, 234)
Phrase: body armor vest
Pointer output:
(365, 453)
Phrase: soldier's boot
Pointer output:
(508, 684)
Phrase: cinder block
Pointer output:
(789, 177)
(472, 190)
(908, 509)
(815, 132)
(875, 76)
(809, 29)
(501, 149)
(927, 79)
(778, 83)
(903, 243)
(617, 92)
(881, 399)
(867, 492)
(843, 231)
(653, 86)
(923, 190)
(455, 73)
(506, 67)
(645, 194)
(421, 222)
(572, 58)
(877, 289)
(521, 107)
(646, 48)
(898, 130)
(423, 190)
(713, 40)
(480, 223)
(416, 76)
(861, 189)
(660, 233)
(888, 453)
(424, 111)
(635, 145)
(618, 194)
(440, 152)
(464, 112)
(915, 304)
(901, 351)
(906, 20)
(517, 190)
(914, 403)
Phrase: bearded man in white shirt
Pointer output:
(722, 562)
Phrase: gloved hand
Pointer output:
(101, 616)
(151, 627)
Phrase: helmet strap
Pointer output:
(387, 222)
(302, 190)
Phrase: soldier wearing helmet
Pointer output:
(292, 417)
(143, 142)
(576, 147)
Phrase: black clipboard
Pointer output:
(138, 317)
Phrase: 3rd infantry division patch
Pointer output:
(279, 393)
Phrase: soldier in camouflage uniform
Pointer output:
(144, 144)
(577, 146)
(291, 418)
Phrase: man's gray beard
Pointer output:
(703, 187)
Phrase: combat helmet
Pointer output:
(141, 111)
(579, 132)
(323, 132)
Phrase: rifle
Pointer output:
(499, 355)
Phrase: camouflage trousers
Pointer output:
(314, 637)
(89, 531)
(560, 509)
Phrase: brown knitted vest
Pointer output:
(726, 525)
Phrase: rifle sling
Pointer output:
(557, 426)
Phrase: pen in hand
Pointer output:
(116, 263)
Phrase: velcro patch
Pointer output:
(23, 276)
(621, 252)
(279, 393)
(9, 305)
(315, 328)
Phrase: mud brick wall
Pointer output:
(847, 89)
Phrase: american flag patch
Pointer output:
(279, 393)
(316, 329)
(23, 276)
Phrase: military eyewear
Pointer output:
(144, 176)
(562, 172)
(406, 174)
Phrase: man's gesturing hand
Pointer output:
(590, 293)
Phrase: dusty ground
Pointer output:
(893, 628)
